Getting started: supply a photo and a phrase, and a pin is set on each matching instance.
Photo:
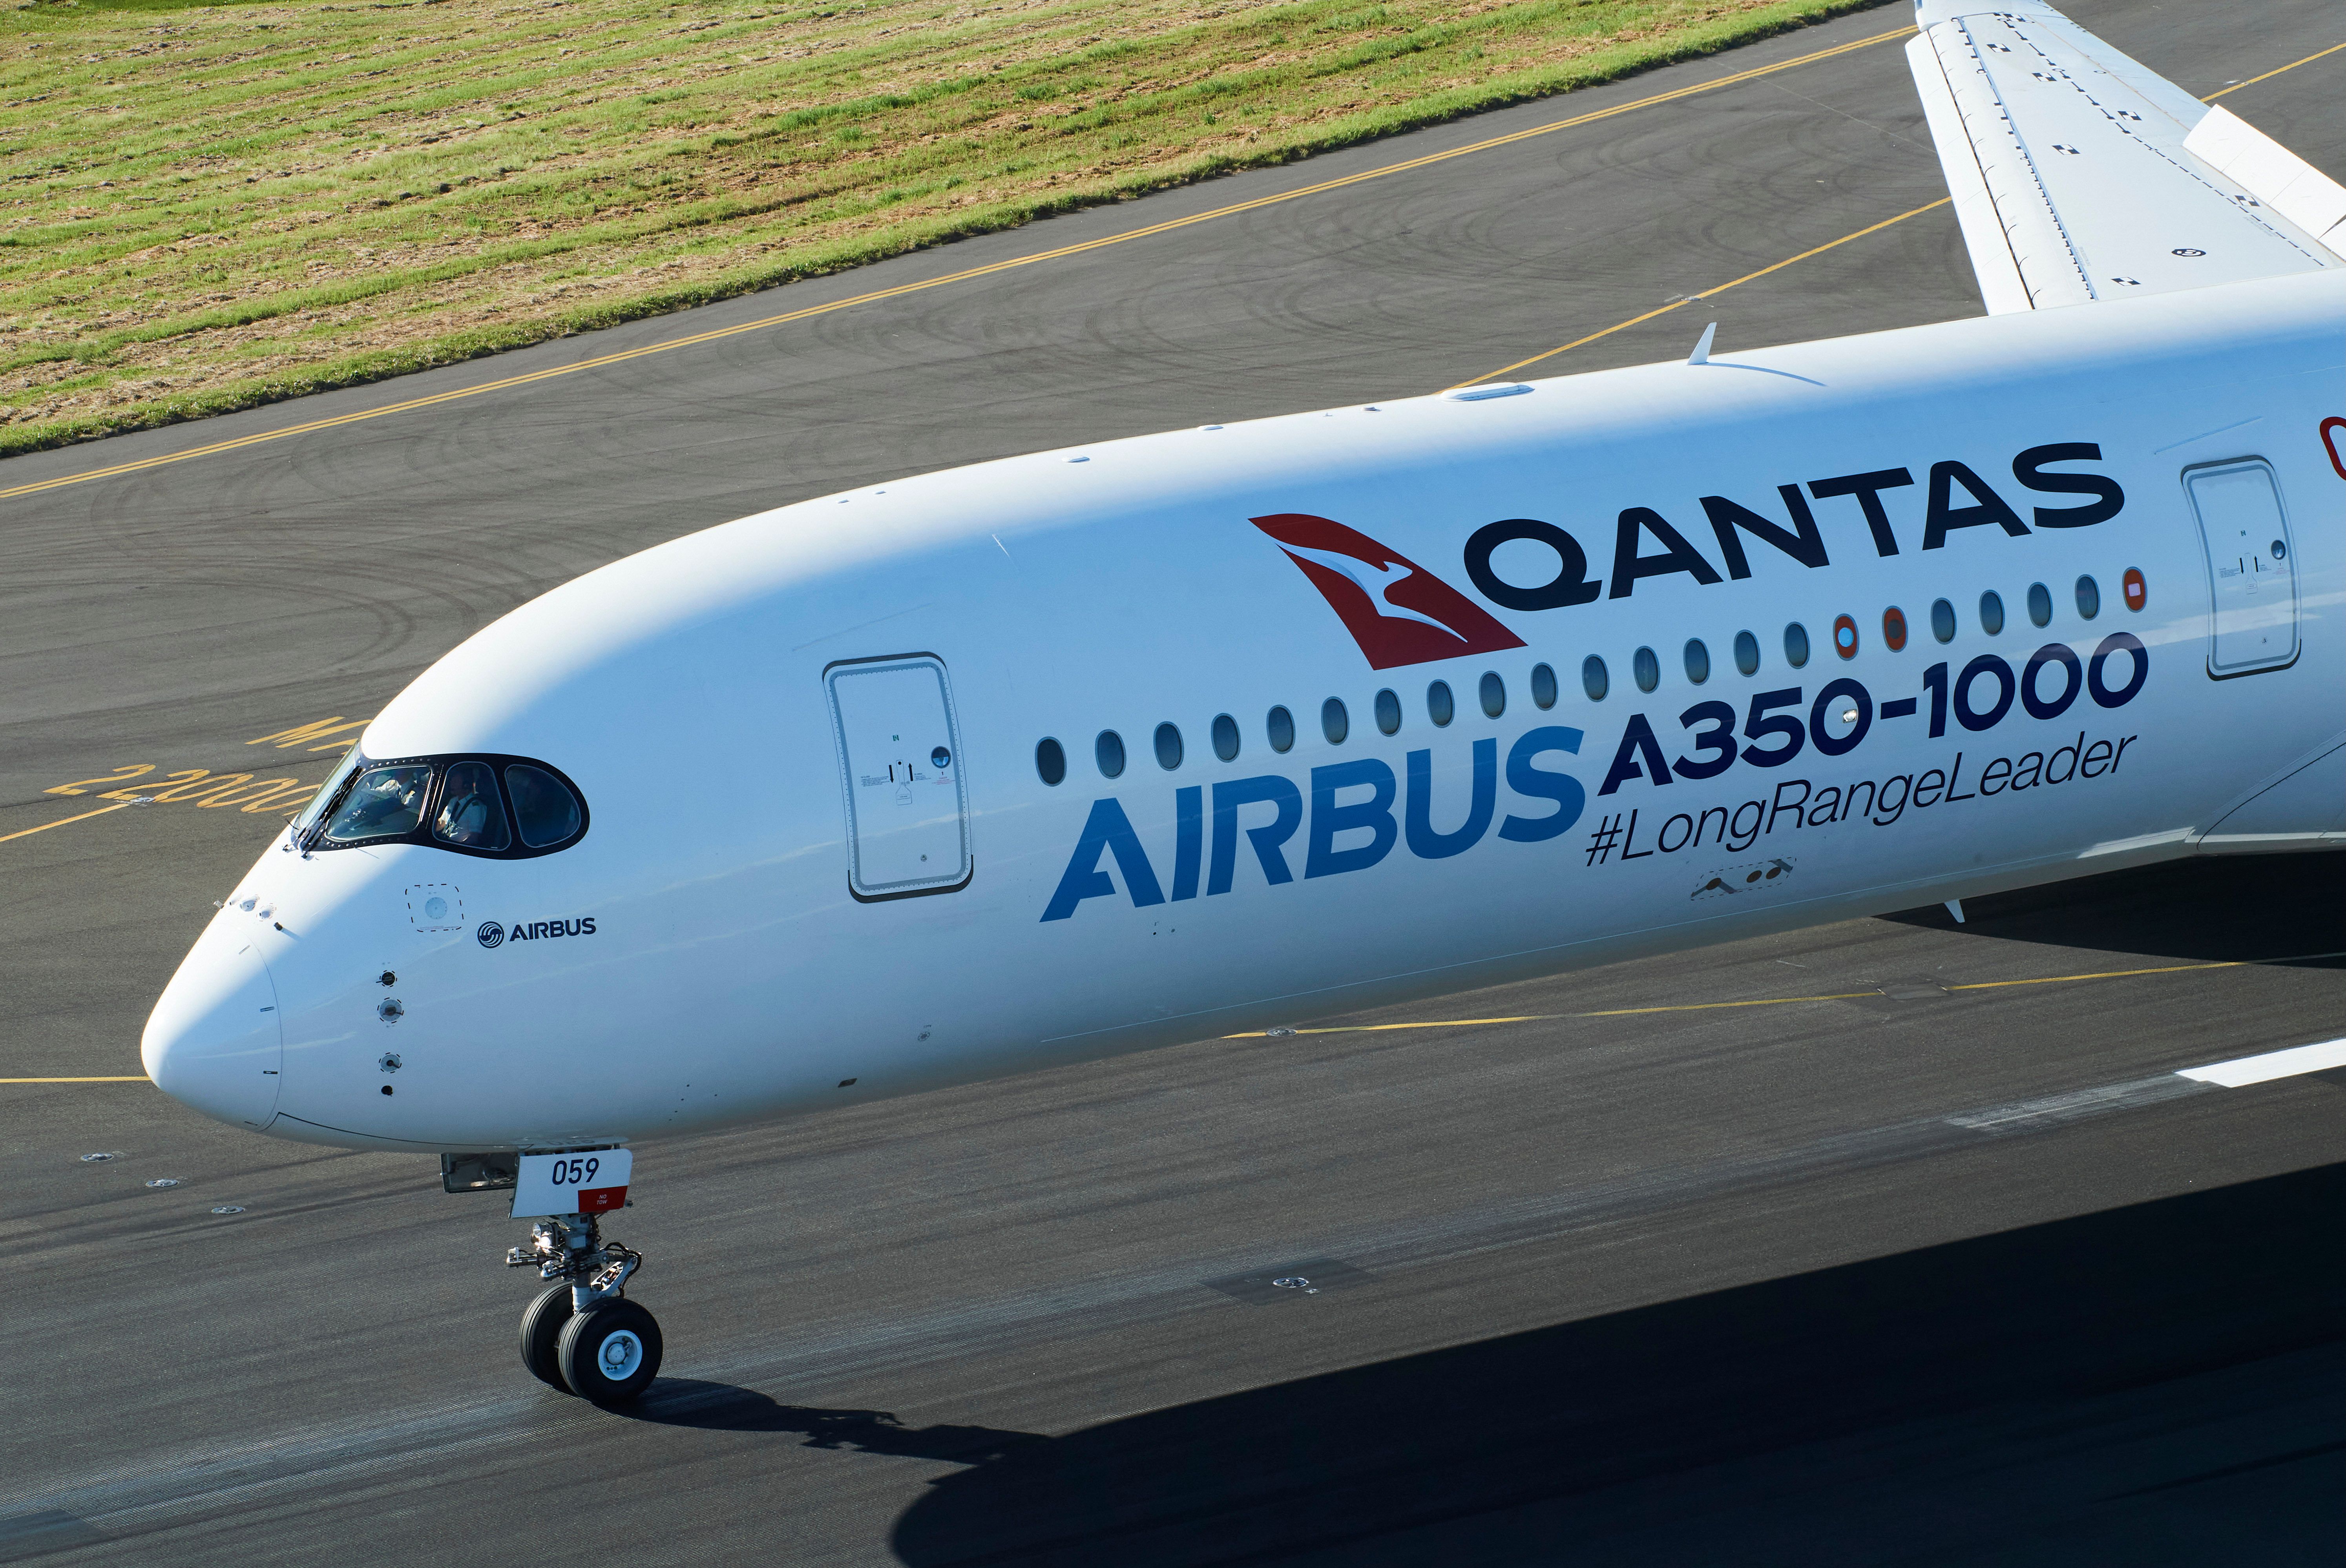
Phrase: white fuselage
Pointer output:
(693, 692)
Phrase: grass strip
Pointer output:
(212, 206)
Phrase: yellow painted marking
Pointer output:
(141, 1078)
(1707, 293)
(599, 361)
(318, 731)
(2253, 81)
(1844, 239)
(1784, 1001)
(86, 816)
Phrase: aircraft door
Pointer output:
(2252, 566)
(901, 767)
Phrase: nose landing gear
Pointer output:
(584, 1336)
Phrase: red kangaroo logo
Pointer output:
(1397, 611)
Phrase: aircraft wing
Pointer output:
(2079, 175)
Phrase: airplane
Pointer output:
(1096, 749)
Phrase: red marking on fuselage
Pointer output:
(1397, 611)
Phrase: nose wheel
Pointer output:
(609, 1353)
(542, 1322)
(582, 1336)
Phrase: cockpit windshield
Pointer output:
(382, 803)
(328, 792)
(474, 805)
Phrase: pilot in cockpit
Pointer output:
(469, 811)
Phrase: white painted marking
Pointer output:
(2272, 1064)
(594, 1181)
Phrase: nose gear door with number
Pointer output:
(900, 766)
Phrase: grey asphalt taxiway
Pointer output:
(1943, 1269)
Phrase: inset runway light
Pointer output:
(230, 1208)
(164, 1181)
(95, 1159)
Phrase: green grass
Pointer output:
(211, 206)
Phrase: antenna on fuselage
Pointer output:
(1701, 355)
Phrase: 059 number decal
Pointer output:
(576, 1173)
(1778, 726)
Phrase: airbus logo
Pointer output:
(1397, 611)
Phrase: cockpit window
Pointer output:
(509, 807)
(543, 805)
(470, 813)
(326, 792)
(382, 803)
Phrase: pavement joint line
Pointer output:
(1820, 249)
(140, 1078)
(599, 361)
(1784, 1001)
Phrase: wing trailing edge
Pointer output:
(2079, 175)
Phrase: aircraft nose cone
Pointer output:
(213, 1041)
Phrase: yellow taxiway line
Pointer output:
(86, 816)
(1781, 1000)
(1828, 245)
(599, 361)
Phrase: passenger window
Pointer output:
(2089, 597)
(1893, 629)
(1494, 692)
(1388, 712)
(1334, 722)
(1992, 613)
(1543, 687)
(1438, 706)
(1647, 668)
(1697, 661)
(384, 802)
(545, 810)
(1050, 760)
(470, 813)
(1594, 678)
(1845, 635)
(1226, 736)
(1280, 724)
(1168, 747)
(1107, 752)
(1796, 645)
(1943, 621)
(1746, 653)
(2040, 605)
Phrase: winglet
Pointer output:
(1701, 355)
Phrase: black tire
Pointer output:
(542, 1323)
(611, 1352)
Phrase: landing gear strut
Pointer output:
(584, 1336)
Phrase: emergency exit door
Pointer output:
(900, 763)
(2252, 566)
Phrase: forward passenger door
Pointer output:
(900, 761)
(2252, 566)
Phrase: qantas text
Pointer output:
(1955, 497)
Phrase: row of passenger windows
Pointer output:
(1595, 679)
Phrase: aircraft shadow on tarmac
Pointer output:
(2163, 1382)
(723, 1407)
(2218, 909)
